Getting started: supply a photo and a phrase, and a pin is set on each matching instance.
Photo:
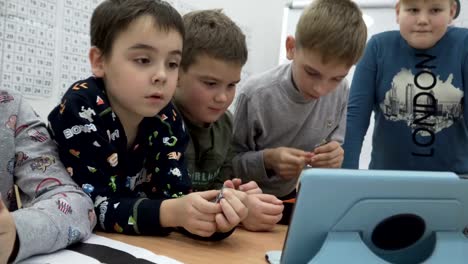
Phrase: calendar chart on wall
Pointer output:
(44, 46)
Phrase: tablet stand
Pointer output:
(348, 247)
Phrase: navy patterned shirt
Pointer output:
(127, 185)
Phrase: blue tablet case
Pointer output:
(372, 216)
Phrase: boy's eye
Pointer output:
(412, 10)
(142, 60)
(209, 83)
(173, 65)
(313, 74)
(436, 10)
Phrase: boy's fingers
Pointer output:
(229, 184)
(209, 195)
(234, 208)
(237, 182)
(268, 198)
(329, 147)
(205, 229)
(222, 222)
(230, 213)
(251, 185)
(270, 206)
(271, 219)
(297, 152)
(205, 206)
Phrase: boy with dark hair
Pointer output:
(213, 56)
(120, 136)
(295, 114)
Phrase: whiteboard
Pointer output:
(44, 44)
(43, 47)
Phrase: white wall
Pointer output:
(262, 19)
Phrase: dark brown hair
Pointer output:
(112, 17)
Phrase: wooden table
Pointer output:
(241, 247)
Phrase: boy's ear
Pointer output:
(453, 11)
(290, 47)
(97, 61)
(397, 12)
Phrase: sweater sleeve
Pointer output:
(56, 213)
(248, 160)
(87, 147)
(361, 102)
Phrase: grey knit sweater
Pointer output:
(270, 113)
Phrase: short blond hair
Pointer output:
(333, 28)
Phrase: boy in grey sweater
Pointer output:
(294, 115)
(55, 212)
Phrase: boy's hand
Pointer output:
(7, 233)
(250, 188)
(195, 212)
(286, 162)
(329, 155)
(234, 209)
(265, 211)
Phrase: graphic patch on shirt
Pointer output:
(170, 141)
(42, 163)
(113, 136)
(99, 101)
(80, 86)
(37, 135)
(202, 178)
(113, 160)
(5, 97)
(175, 172)
(141, 177)
(11, 166)
(78, 129)
(20, 157)
(47, 184)
(62, 106)
(87, 114)
(64, 206)
(102, 210)
(11, 123)
(75, 152)
(112, 183)
(174, 155)
(423, 100)
(73, 235)
(20, 128)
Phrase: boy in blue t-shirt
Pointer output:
(414, 80)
